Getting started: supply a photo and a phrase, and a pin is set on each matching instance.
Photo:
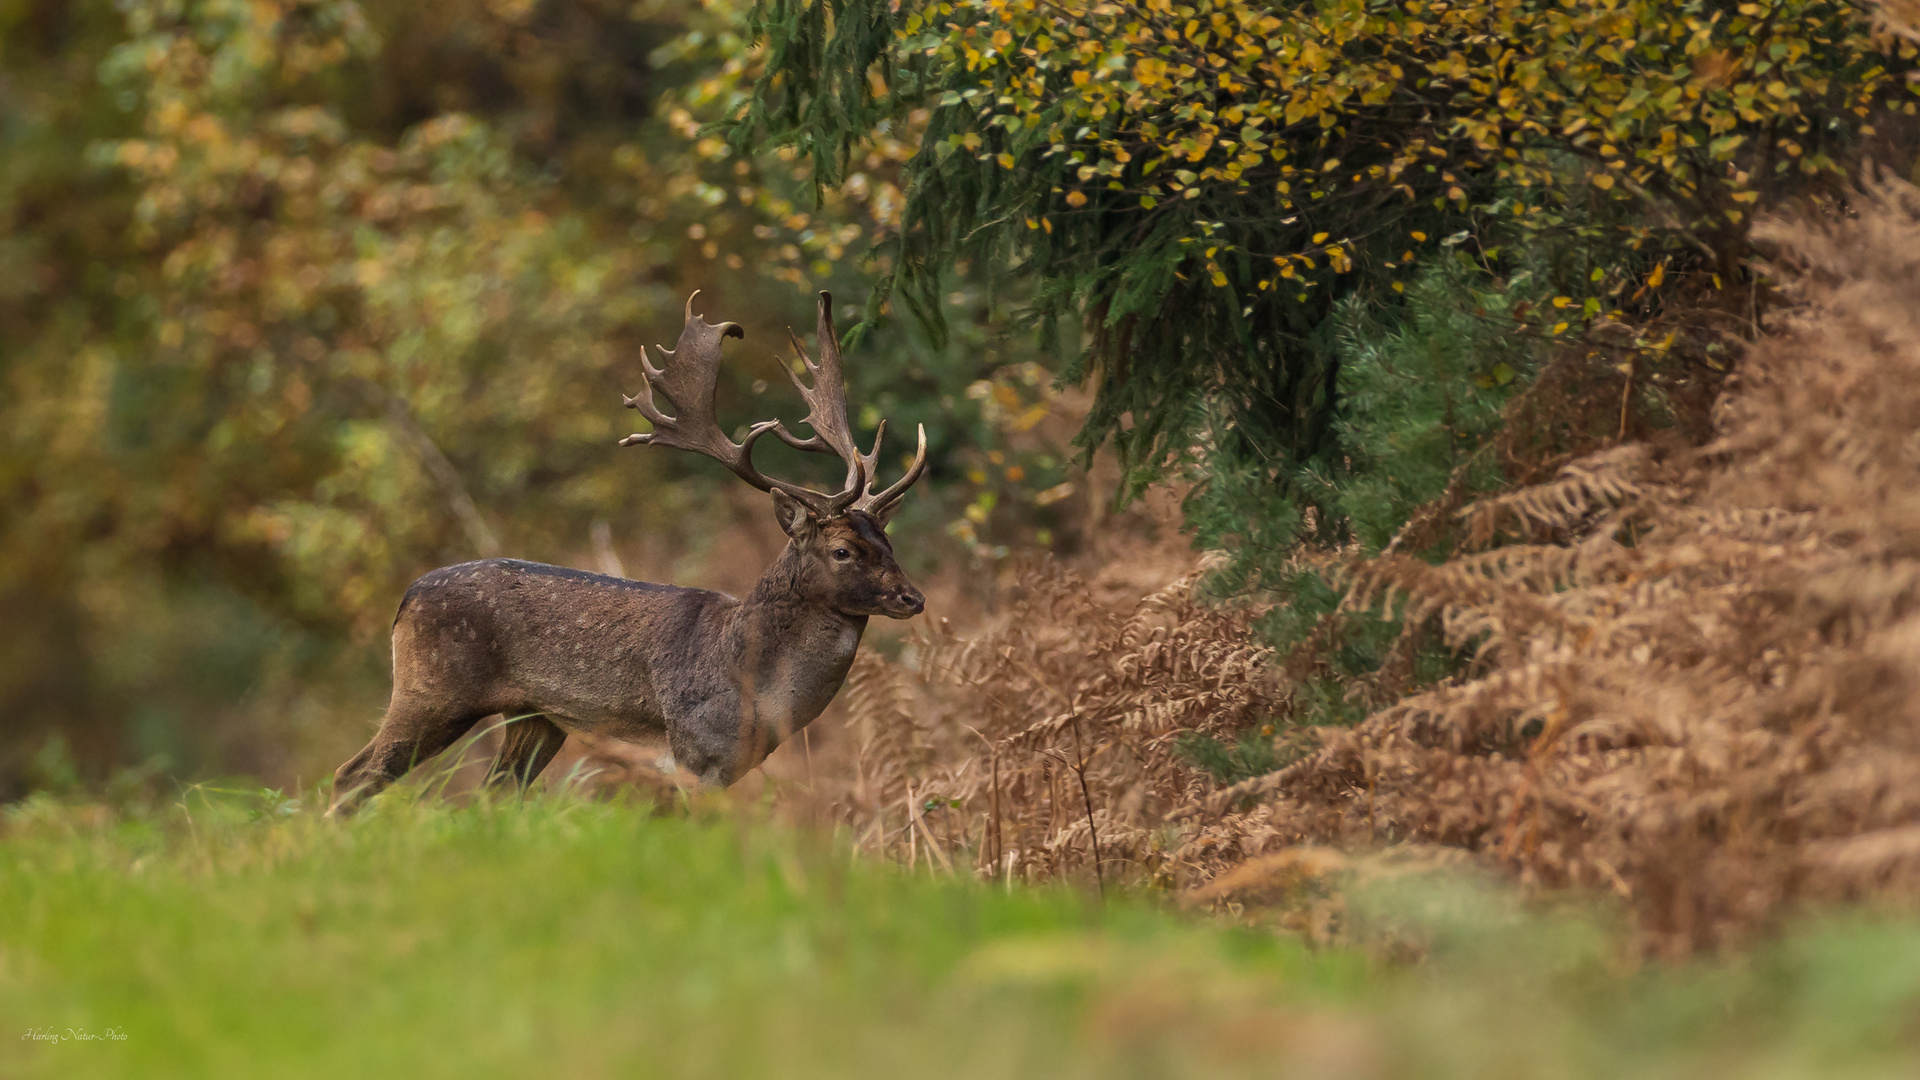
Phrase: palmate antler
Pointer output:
(688, 384)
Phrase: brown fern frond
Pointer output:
(1607, 479)
(1066, 708)
(1702, 692)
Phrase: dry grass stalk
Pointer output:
(1041, 746)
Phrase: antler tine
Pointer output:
(827, 404)
(826, 399)
(880, 505)
(688, 385)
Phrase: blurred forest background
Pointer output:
(301, 298)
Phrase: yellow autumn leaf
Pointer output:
(1076, 198)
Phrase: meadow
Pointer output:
(238, 934)
(1405, 599)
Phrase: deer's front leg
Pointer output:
(718, 744)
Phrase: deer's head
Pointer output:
(846, 560)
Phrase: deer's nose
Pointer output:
(912, 600)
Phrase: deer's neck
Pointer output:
(792, 652)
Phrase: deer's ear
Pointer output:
(794, 517)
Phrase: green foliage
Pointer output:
(52, 769)
(1249, 756)
(368, 342)
(1422, 393)
(1422, 389)
(1204, 181)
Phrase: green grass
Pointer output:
(235, 937)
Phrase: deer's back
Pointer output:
(505, 634)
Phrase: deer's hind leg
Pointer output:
(529, 745)
(413, 732)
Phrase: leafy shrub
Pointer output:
(1203, 182)
(1424, 390)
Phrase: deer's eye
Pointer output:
(842, 554)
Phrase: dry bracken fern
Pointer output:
(1048, 732)
(1703, 693)
(1692, 679)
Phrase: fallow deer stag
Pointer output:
(725, 680)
